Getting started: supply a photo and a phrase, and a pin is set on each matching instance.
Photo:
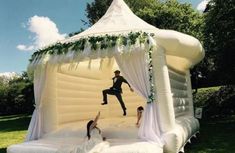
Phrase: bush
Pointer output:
(203, 95)
(216, 101)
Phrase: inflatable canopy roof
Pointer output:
(182, 51)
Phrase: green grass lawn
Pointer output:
(12, 130)
(216, 136)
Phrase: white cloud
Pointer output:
(7, 76)
(24, 47)
(45, 30)
(202, 6)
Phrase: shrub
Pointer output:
(216, 101)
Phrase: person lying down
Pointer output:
(94, 142)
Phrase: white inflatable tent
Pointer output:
(69, 78)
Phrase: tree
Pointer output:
(16, 95)
(3, 95)
(75, 33)
(97, 8)
(219, 39)
(168, 14)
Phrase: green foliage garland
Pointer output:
(95, 42)
(150, 69)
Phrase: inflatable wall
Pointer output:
(74, 93)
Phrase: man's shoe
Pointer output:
(124, 113)
(104, 103)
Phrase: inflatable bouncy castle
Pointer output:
(69, 77)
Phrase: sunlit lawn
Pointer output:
(217, 136)
(12, 130)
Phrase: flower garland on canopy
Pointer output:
(101, 43)
(95, 42)
(151, 80)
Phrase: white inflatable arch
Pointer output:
(69, 78)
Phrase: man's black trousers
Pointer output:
(117, 94)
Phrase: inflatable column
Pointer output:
(163, 89)
(189, 90)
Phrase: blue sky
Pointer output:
(22, 21)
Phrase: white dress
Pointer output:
(94, 145)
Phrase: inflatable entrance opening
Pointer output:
(73, 93)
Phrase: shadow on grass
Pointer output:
(215, 137)
(3, 150)
(9, 117)
(14, 123)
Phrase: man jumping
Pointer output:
(116, 90)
